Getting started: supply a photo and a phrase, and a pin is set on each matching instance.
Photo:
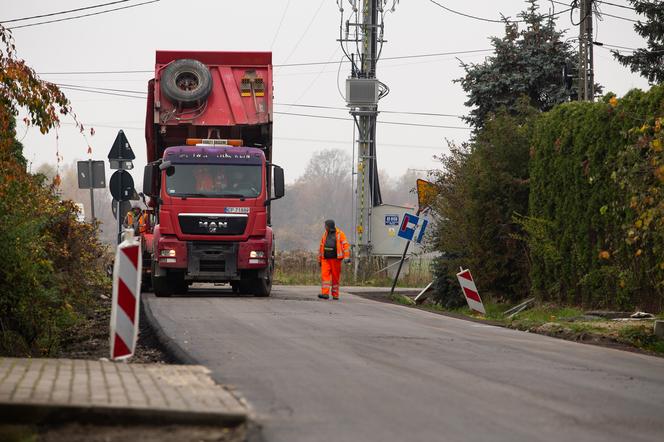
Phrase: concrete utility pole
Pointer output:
(586, 65)
(363, 91)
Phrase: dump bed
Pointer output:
(239, 104)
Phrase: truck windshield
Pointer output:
(214, 181)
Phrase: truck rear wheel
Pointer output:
(186, 82)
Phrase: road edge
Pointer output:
(177, 353)
(170, 346)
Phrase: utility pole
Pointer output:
(586, 61)
(363, 90)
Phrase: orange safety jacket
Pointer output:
(144, 223)
(343, 248)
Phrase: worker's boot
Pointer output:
(321, 296)
(336, 298)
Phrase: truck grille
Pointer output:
(212, 266)
(212, 224)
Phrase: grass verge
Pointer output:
(568, 323)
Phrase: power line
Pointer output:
(97, 72)
(382, 122)
(489, 20)
(124, 92)
(616, 5)
(602, 13)
(100, 92)
(84, 15)
(93, 88)
(466, 15)
(618, 17)
(281, 22)
(64, 12)
(306, 30)
(314, 63)
(381, 111)
(624, 48)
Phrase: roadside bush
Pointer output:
(50, 264)
(481, 186)
(596, 214)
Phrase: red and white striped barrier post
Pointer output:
(470, 291)
(126, 297)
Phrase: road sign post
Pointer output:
(409, 234)
(426, 192)
(122, 184)
(91, 175)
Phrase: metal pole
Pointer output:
(591, 61)
(403, 258)
(92, 193)
(586, 56)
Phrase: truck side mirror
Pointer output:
(151, 180)
(279, 185)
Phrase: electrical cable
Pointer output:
(107, 91)
(309, 106)
(430, 114)
(489, 20)
(306, 30)
(401, 57)
(83, 15)
(281, 22)
(616, 5)
(91, 88)
(63, 12)
(101, 92)
(397, 123)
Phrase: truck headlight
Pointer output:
(257, 254)
(167, 252)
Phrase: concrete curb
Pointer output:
(34, 413)
(172, 349)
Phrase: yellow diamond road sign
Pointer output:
(426, 193)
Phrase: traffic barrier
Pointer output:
(126, 297)
(470, 291)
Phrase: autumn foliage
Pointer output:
(49, 262)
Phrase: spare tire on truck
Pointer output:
(186, 82)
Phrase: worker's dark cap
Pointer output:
(330, 224)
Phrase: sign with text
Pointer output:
(391, 220)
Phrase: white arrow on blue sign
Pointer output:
(412, 227)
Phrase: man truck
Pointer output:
(210, 177)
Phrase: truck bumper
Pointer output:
(208, 261)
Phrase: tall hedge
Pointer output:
(594, 173)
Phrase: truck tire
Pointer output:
(186, 82)
(173, 284)
(160, 286)
(262, 287)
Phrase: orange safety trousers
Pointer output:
(330, 270)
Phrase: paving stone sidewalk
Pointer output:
(39, 390)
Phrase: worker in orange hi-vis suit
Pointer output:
(334, 248)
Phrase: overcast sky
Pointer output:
(127, 40)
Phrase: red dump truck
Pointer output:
(210, 177)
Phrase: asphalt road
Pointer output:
(361, 370)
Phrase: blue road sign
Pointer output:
(412, 228)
